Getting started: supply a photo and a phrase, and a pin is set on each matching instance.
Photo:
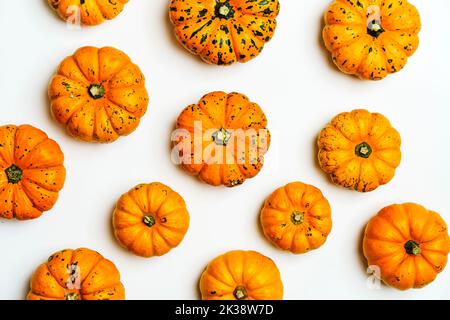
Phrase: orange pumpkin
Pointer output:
(98, 94)
(296, 217)
(359, 150)
(150, 219)
(222, 139)
(241, 275)
(371, 38)
(87, 12)
(31, 172)
(80, 274)
(408, 243)
(222, 32)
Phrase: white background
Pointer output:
(299, 89)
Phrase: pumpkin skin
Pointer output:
(91, 12)
(234, 158)
(296, 217)
(241, 275)
(223, 32)
(31, 172)
(409, 244)
(98, 94)
(371, 38)
(150, 219)
(359, 150)
(80, 274)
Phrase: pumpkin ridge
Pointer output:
(56, 281)
(240, 115)
(242, 24)
(54, 276)
(214, 26)
(77, 63)
(405, 238)
(230, 26)
(257, 14)
(83, 84)
(114, 75)
(227, 264)
(433, 266)
(87, 274)
(354, 8)
(209, 274)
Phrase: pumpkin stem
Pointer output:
(363, 150)
(412, 247)
(224, 10)
(297, 217)
(149, 221)
(96, 91)
(14, 174)
(72, 296)
(240, 293)
(221, 137)
(374, 27)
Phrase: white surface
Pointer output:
(299, 90)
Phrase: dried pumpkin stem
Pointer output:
(96, 91)
(14, 174)
(412, 247)
(149, 221)
(297, 217)
(72, 296)
(224, 10)
(221, 137)
(240, 293)
(363, 150)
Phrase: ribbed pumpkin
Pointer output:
(87, 12)
(371, 38)
(98, 94)
(222, 32)
(408, 243)
(359, 150)
(296, 217)
(222, 139)
(150, 219)
(31, 172)
(241, 275)
(80, 274)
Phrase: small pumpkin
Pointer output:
(359, 150)
(80, 274)
(87, 12)
(223, 32)
(296, 217)
(222, 139)
(31, 172)
(150, 219)
(98, 94)
(241, 275)
(371, 38)
(408, 243)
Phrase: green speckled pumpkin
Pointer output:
(98, 94)
(371, 38)
(224, 31)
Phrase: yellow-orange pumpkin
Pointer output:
(150, 219)
(408, 244)
(296, 217)
(241, 275)
(371, 38)
(87, 12)
(222, 139)
(222, 32)
(359, 150)
(98, 94)
(31, 172)
(80, 274)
